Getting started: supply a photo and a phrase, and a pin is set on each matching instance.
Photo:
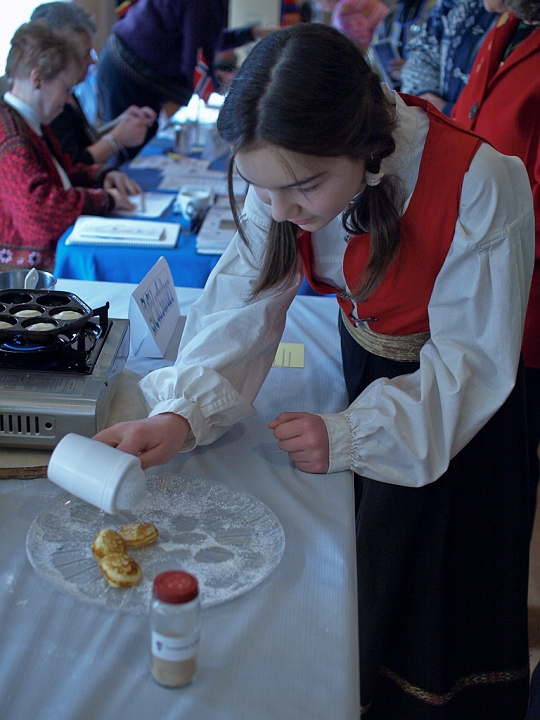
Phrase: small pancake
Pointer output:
(28, 313)
(107, 541)
(41, 327)
(68, 315)
(120, 570)
(139, 534)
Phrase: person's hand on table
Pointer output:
(305, 438)
(155, 440)
(120, 186)
(121, 182)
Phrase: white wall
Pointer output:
(14, 13)
(246, 12)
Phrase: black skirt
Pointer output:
(443, 574)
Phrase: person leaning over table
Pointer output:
(425, 233)
(152, 52)
(41, 192)
(77, 137)
(501, 102)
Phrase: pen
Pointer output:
(143, 202)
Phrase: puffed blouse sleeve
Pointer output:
(406, 430)
(229, 342)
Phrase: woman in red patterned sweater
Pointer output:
(41, 192)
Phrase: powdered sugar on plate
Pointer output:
(229, 540)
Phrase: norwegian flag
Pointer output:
(202, 81)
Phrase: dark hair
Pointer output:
(528, 10)
(308, 89)
(62, 14)
(38, 44)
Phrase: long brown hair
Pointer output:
(308, 89)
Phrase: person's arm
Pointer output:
(227, 348)
(129, 130)
(33, 196)
(406, 430)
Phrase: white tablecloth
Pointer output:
(286, 650)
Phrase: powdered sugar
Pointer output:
(229, 540)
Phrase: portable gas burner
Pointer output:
(60, 363)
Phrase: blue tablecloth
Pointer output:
(130, 265)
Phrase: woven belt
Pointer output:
(405, 348)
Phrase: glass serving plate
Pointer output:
(229, 540)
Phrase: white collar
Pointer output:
(409, 136)
(27, 111)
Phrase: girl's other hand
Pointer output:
(305, 438)
(155, 440)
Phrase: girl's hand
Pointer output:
(154, 440)
(305, 438)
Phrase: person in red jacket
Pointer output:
(41, 192)
(501, 102)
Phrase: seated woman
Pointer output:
(78, 138)
(41, 192)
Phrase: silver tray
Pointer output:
(229, 540)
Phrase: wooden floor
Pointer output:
(534, 593)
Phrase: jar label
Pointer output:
(176, 647)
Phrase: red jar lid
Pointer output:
(175, 587)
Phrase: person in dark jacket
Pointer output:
(152, 52)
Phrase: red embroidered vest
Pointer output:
(398, 306)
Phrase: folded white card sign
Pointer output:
(153, 312)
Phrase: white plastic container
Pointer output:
(108, 478)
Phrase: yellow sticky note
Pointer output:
(289, 355)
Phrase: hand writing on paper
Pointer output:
(305, 438)
(155, 440)
(120, 186)
(121, 182)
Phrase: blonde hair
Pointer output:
(39, 45)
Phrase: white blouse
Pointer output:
(405, 430)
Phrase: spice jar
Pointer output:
(175, 622)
